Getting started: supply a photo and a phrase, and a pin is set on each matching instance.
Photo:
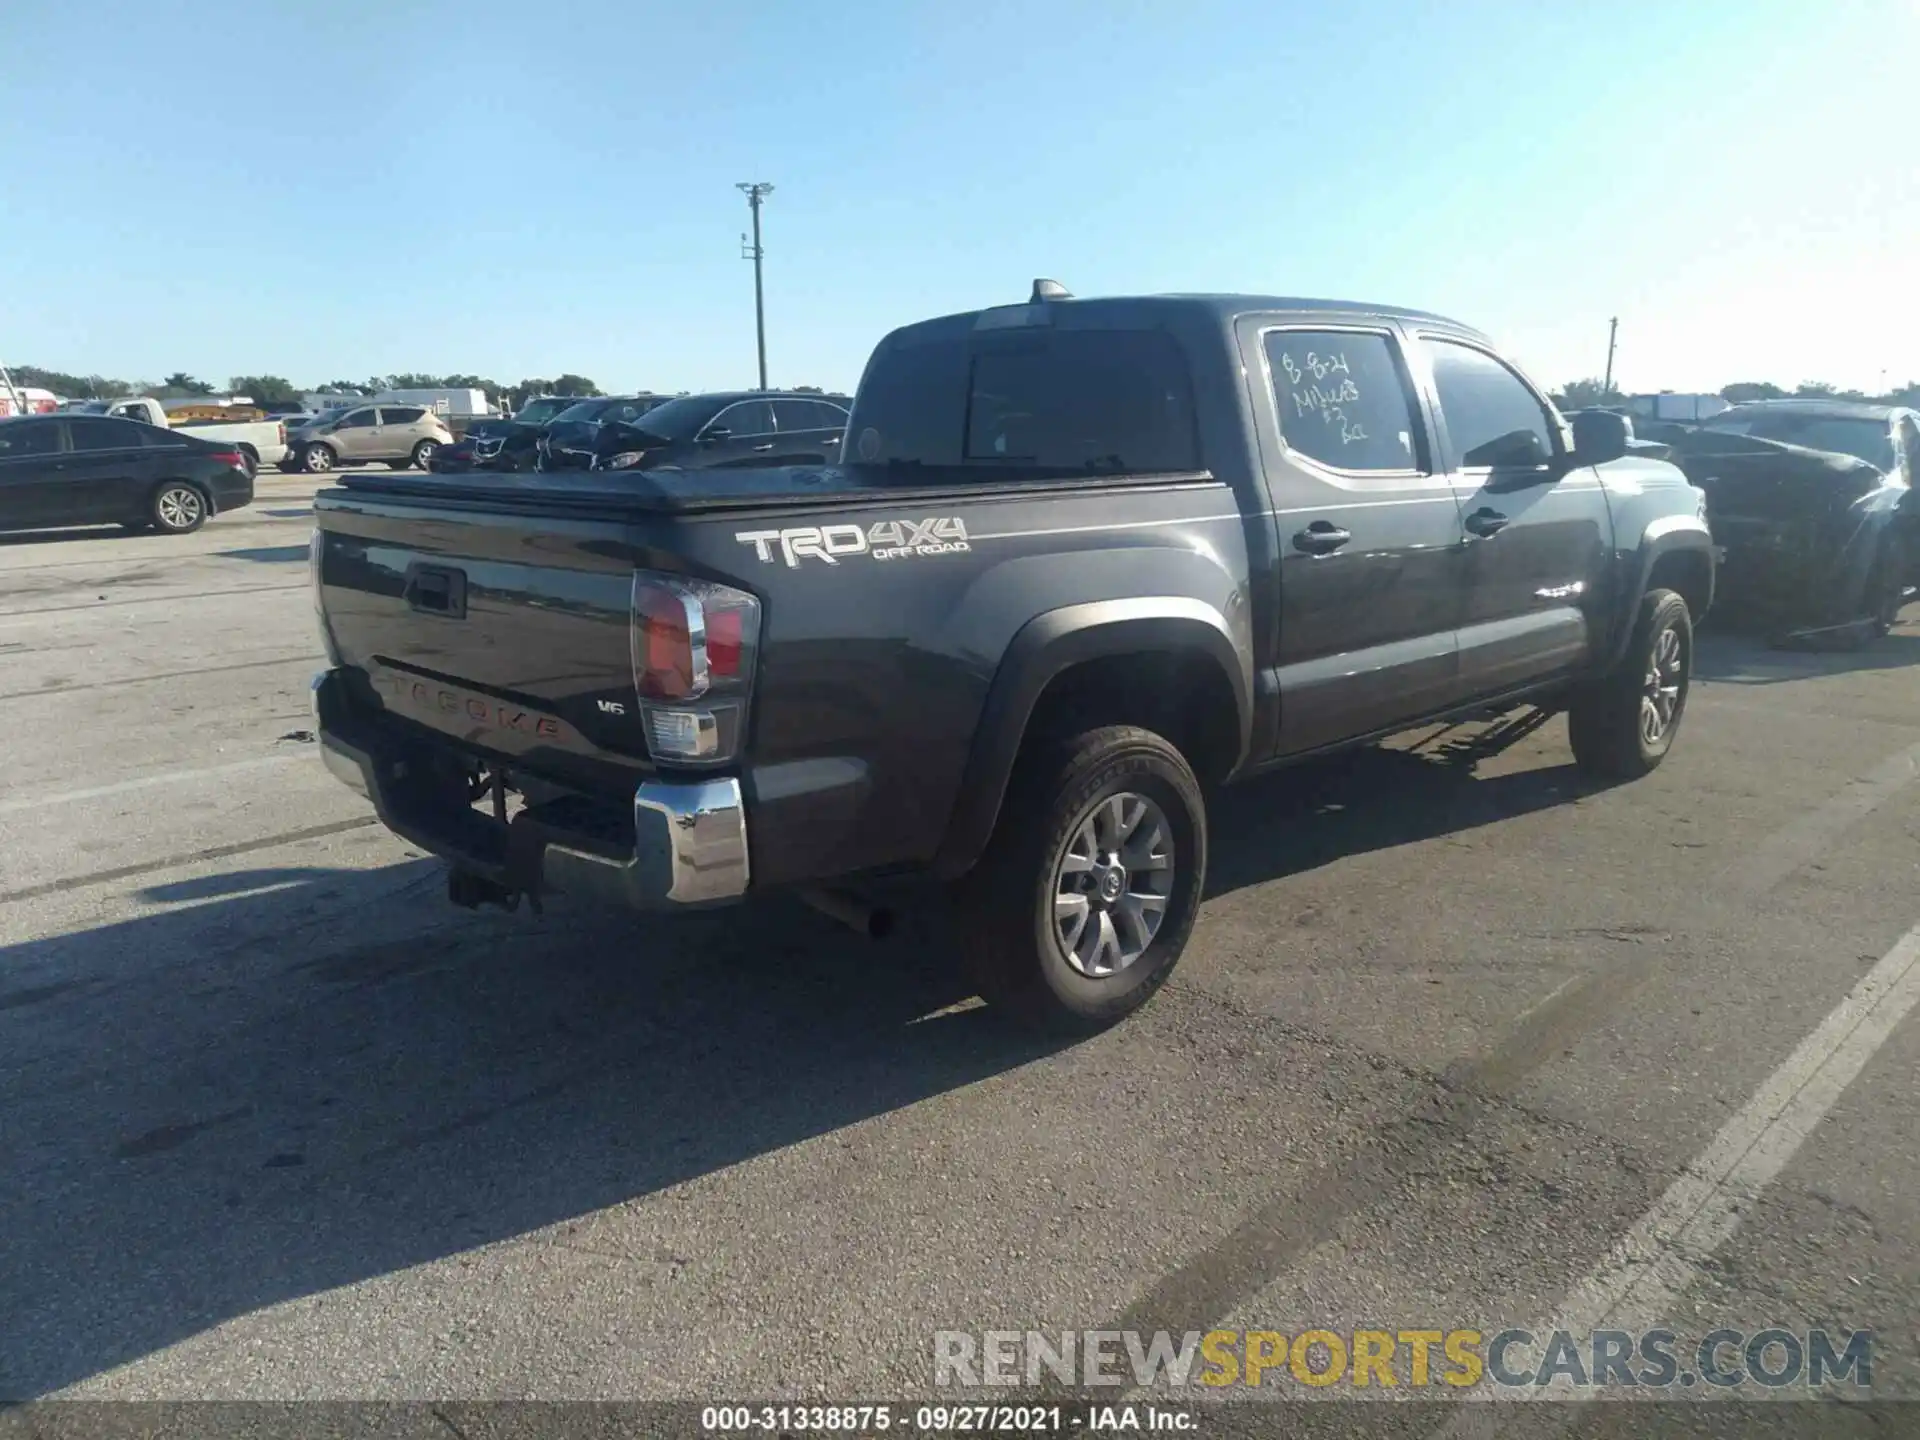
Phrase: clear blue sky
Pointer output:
(352, 188)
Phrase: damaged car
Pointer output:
(1811, 504)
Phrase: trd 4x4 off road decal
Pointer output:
(888, 540)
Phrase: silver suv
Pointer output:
(401, 435)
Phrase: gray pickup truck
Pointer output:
(1082, 561)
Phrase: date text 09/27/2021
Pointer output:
(961, 1419)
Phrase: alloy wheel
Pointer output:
(1112, 884)
(1660, 695)
(180, 507)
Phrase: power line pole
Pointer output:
(757, 191)
(1613, 331)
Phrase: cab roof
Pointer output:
(1219, 309)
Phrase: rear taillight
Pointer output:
(693, 648)
(233, 459)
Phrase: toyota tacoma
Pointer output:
(1081, 563)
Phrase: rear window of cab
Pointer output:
(1048, 401)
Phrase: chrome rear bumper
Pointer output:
(688, 842)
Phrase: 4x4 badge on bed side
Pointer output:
(887, 540)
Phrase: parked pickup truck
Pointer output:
(1083, 561)
(260, 442)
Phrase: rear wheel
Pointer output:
(1622, 725)
(317, 458)
(422, 458)
(1085, 898)
(179, 508)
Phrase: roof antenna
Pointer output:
(1044, 290)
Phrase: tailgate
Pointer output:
(506, 632)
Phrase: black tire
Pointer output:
(318, 458)
(422, 457)
(1015, 953)
(1606, 718)
(178, 508)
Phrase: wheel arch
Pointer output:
(1675, 553)
(1163, 662)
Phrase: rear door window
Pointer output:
(1345, 401)
(791, 415)
(401, 414)
(88, 434)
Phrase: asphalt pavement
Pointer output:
(278, 1122)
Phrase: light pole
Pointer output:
(1613, 332)
(757, 191)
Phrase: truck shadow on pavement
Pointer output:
(297, 1080)
(1377, 798)
(304, 1079)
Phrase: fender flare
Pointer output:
(1042, 649)
(1669, 535)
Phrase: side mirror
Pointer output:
(1515, 449)
(1600, 436)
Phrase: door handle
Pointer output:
(1322, 537)
(1484, 522)
(762, 449)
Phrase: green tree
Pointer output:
(181, 383)
(412, 380)
(1743, 390)
(571, 384)
(1813, 390)
(61, 383)
(264, 389)
(1585, 394)
(344, 387)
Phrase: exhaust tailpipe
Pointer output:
(873, 921)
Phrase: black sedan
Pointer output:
(1811, 503)
(511, 444)
(67, 469)
(568, 442)
(731, 428)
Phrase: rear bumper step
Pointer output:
(687, 845)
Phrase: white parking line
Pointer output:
(1654, 1263)
(146, 782)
